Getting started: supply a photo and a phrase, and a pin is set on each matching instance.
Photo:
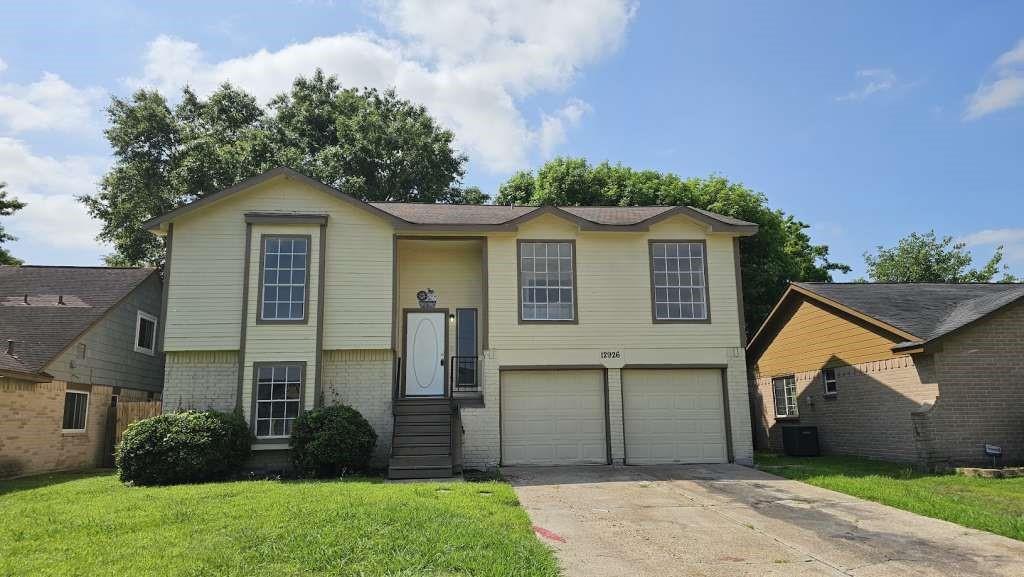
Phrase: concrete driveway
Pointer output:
(727, 520)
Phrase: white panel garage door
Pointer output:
(673, 416)
(552, 417)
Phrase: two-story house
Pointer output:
(538, 335)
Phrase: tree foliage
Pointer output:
(927, 258)
(366, 142)
(780, 252)
(8, 206)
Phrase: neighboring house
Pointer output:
(74, 340)
(925, 373)
(547, 343)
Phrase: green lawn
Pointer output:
(90, 524)
(995, 505)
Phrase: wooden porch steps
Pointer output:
(421, 443)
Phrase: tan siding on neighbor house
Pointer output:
(814, 337)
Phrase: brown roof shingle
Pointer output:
(44, 327)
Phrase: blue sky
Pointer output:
(867, 120)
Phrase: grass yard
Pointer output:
(994, 505)
(90, 524)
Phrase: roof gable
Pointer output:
(917, 312)
(158, 223)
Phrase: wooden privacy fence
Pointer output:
(128, 413)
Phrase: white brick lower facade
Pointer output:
(361, 379)
(200, 380)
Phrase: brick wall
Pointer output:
(870, 417)
(481, 443)
(31, 440)
(200, 380)
(981, 391)
(362, 380)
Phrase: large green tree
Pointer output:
(369, 143)
(780, 252)
(927, 258)
(8, 206)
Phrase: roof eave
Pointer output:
(158, 224)
(40, 377)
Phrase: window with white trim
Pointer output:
(828, 377)
(784, 389)
(76, 411)
(284, 274)
(145, 333)
(547, 281)
(278, 399)
(680, 287)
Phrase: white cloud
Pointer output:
(470, 64)
(553, 128)
(1011, 239)
(50, 103)
(872, 81)
(1004, 89)
(53, 217)
(3, 65)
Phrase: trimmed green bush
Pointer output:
(186, 447)
(331, 441)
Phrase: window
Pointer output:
(828, 376)
(465, 348)
(547, 278)
(285, 276)
(679, 286)
(278, 398)
(784, 389)
(76, 410)
(145, 334)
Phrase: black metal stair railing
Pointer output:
(465, 374)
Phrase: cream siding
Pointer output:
(204, 297)
(613, 291)
(278, 342)
(453, 268)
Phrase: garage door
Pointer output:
(552, 418)
(673, 416)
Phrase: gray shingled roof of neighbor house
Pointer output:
(925, 310)
(44, 327)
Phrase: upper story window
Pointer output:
(547, 281)
(284, 275)
(76, 411)
(784, 390)
(145, 334)
(679, 281)
(828, 378)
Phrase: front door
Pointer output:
(425, 353)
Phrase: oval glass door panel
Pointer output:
(425, 354)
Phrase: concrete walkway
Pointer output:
(727, 520)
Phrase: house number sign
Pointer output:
(611, 354)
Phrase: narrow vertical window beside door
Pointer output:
(465, 349)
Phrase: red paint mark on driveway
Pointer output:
(548, 534)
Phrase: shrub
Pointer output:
(331, 441)
(186, 447)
